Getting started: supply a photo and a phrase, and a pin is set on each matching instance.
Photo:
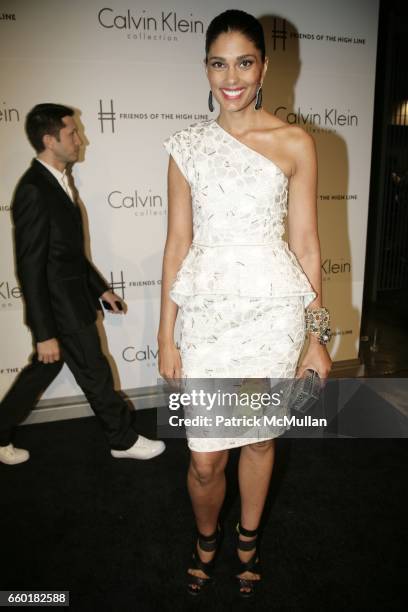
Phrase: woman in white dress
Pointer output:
(240, 289)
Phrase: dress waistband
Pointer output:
(232, 244)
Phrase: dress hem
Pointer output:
(242, 442)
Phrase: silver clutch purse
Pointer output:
(306, 391)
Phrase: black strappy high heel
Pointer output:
(196, 584)
(253, 565)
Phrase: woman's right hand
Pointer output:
(169, 361)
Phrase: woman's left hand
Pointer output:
(316, 358)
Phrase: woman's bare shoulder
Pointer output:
(293, 141)
(289, 131)
(296, 141)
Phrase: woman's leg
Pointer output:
(254, 472)
(206, 485)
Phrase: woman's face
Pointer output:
(235, 70)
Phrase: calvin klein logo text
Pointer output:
(8, 291)
(167, 22)
(330, 117)
(331, 267)
(131, 353)
(116, 199)
(9, 115)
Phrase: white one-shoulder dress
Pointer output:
(241, 291)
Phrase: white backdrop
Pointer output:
(134, 72)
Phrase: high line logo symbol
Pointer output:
(118, 286)
(107, 115)
(279, 33)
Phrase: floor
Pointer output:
(118, 534)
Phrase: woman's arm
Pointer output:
(179, 238)
(303, 233)
(302, 210)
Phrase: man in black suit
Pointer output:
(61, 290)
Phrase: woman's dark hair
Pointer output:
(45, 119)
(235, 21)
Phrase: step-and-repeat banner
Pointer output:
(134, 72)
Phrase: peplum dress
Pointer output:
(241, 291)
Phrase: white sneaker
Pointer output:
(143, 448)
(12, 456)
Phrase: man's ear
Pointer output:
(48, 141)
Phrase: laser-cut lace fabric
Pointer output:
(239, 337)
(240, 289)
(239, 201)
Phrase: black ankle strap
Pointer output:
(208, 543)
(248, 533)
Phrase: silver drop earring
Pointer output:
(210, 101)
(258, 99)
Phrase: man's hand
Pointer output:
(111, 298)
(48, 351)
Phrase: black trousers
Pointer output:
(82, 352)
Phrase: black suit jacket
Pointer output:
(60, 286)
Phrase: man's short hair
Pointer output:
(45, 119)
